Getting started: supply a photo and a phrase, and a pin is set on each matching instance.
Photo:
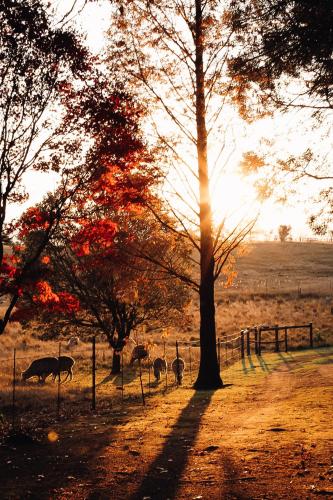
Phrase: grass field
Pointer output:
(274, 267)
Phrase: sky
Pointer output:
(233, 191)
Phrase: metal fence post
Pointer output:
(256, 340)
(242, 344)
(166, 370)
(59, 380)
(226, 350)
(142, 392)
(286, 340)
(190, 362)
(122, 376)
(14, 390)
(177, 356)
(311, 335)
(93, 368)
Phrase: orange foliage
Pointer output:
(62, 302)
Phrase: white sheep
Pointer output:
(139, 352)
(73, 342)
(159, 366)
(178, 368)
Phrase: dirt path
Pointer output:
(268, 435)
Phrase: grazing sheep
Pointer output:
(72, 342)
(178, 368)
(160, 365)
(140, 351)
(65, 364)
(41, 368)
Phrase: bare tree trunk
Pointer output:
(209, 376)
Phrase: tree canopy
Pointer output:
(282, 39)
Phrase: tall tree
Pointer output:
(175, 52)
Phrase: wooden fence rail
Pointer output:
(258, 342)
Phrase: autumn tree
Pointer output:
(112, 288)
(107, 184)
(36, 60)
(174, 54)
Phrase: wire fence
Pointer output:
(277, 285)
(93, 386)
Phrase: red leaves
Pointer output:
(7, 270)
(62, 302)
(45, 294)
(32, 220)
(96, 233)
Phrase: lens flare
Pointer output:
(52, 436)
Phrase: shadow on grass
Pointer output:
(231, 486)
(250, 368)
(288, 360)
(163, 477)
(130, 374)
(263, 365)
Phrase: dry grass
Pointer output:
(266, 435)
(235, 311)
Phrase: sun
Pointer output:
(233, 199)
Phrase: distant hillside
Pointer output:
(297, 260)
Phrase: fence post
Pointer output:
(122, 376)
(277, 345)
(190, 362)
(242, 344)
(149, 374)
(142, 393)
(248, 345)
(286, 340)
(256, 340)
(14, 389)
(59, 380)
(166, 371)
(177, 356)
(93, 368)
(219, 352)
(226, 350)
(259, 342)
(311, 335)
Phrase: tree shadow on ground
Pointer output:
(231, 486)
(162, 479)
